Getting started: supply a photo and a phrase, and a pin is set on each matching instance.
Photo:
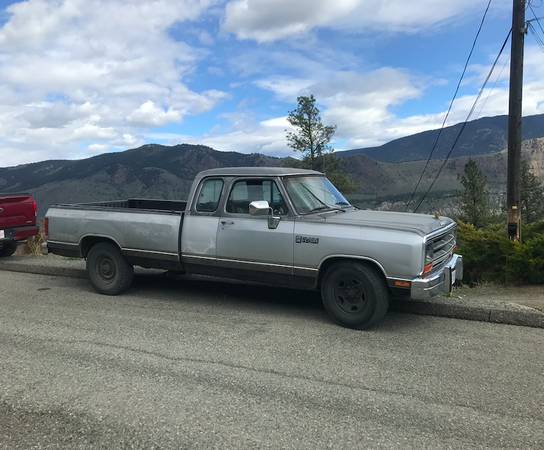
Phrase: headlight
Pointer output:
(429, 253)
(429, 256)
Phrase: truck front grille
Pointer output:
(443, 247)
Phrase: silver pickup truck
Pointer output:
(280, 226)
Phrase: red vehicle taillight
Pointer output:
(46, 227)
(35, 208)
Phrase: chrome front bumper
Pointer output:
(440, 282)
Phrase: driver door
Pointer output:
(246, 247)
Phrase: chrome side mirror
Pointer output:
(259, 208)
(262, 208)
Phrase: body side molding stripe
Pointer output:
(136, 252)
(73, 244)
(245, 262)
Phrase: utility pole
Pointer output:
(514, 121)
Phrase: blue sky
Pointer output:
(83, 77)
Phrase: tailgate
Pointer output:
(17, 211)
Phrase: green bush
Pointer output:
(488, 255)
(532, 260)
(533, 230)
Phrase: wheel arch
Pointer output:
(333, 259)
(90, 240)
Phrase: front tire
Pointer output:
(7, 249)
(354, 295)
(109, 271)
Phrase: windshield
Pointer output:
(314, 193)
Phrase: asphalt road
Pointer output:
(195, 364)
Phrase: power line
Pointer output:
(465, 122)
(537, 36)
(435, 144)
(539, 40)
(491, 90)
(531, 27)
(535, 17)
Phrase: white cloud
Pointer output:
(359, 104)
(77, 71)
(97, 148)
(93, 132)
(149, 114)
(266, 20)
(285, 88)
(267, 137)
(494, 100)
(245, 135)
(363, 106)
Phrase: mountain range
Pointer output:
(157, 171)
(480, 137)
(152, 171)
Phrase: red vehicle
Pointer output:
(17, 221)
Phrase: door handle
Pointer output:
(227, 222)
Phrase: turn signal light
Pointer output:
(402, 284)
(427, 268)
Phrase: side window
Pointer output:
(246, 191)
(209, 196)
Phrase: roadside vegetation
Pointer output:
(33, 245)
(488, 253)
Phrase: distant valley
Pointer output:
(383, 180)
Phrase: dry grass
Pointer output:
(33, 245)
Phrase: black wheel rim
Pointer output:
(350, 295)
(106, 268)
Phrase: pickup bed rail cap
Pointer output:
(256, 171)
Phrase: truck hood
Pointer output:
(422, 224)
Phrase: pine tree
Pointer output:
(532, 195)
(475, 195)
(312, 138)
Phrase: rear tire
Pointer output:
(355, 295)
(109, 271)
(8, 248)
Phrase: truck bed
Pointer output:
(147, 231)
